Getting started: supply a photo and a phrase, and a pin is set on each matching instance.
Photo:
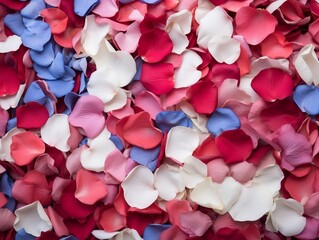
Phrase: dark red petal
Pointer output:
(272, 84)
(31, 115)
(81, 229)
(158, 77)
(234, 145)
(154, 45)
(9, 81)
(222, 71)
(203, 96)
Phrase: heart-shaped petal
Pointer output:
(31, 115)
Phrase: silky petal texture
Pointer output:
(248, 22)
(56, 19)
(25, 147)
(243, 171)
(193, 171)
(217, 169)
(210, 26)
(4, 116)
(115, 167)
(7, 218)
(272, 84)
(275, 46)
(12, 43)
(195, 223)
(150, 103)
(307, 65)
(139, 181)
(305, 96)
(168, 182)
(31, 115)
(296, 150)
(181, 143)
(111, 220)
(88, 115)
(106, 8)
(187, 74)
(93, 157)
(84, 8)
(224, 49)
(56, 132)
(311, 206)
(286, 217)
(154, 45)
(9, 82)
(175, 207)
(221, 120)
(33, 219)
(93, 34)
(5, 144)
(57, 222)
(129, 41)
(89, 188)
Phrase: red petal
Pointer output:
(203, 96)
(174, 232)
(68, 8)
(25, 147)
(249, 21)
(222, 71)
(81, 229)
(15, 5)
(272, 84)
(275, 46)
(31, 115)
(207, 151)
(139, 130)
(3, 200)
(9, 81)
(238, 142)
(154, 45)
(65, 38)
(158, 77)
(56, 19)
(111, 220)
(4, 116)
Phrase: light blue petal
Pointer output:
(222, 119)
(153, 231)
(34, 93)
(45, 57)
(168, 119)
(60, 88)
(84, 7)
(36, 35)
(33, 9)
(145, 157)
(12, 123)
(117, 142)
(14, 23)
(307, 98)
(83, 83)
(23, 235)
(57, 67)
(43, 72)
(150, 1)
(70, 100)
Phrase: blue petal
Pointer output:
(80, 64)
(222, 119)
(70, 237)
(82, 8)
(15, 23)
(43, 72)
(153, 231)
(12, 123)
(83, 83)
(70, 100)
(117, 142)
(83, 142)
(168, 119)
(50, 105)
(60, 88)
(11, 204)
(36, 35)
(150, 1)
(44, 58)
(57, 67)
(145, 157)
(6, 184)
(126, 1)
(307, 97)
(33, 9)
(23, 235)
(139, 63)
(34, 93)
(69, 73)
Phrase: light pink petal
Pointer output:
(7, 219)
(88, 115)
(57, 187)
(128, 41)
(149, 102)
(228, 90)
(89, 188)
(195, 223)
(106, 8)
(115, 167)
(217, 170)
(243, 172)
(73, 161)
(312, 206)
(248, 21)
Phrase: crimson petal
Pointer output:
(31, 115)
(9, 81)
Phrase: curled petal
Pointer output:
(140, 181)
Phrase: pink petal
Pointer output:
(312, 206)
(195, 223)
(207, 151)
(111, 220)
(9, 81)
(7, 219)
(89, 188)
(57, 222)
(25, 147)
(4, 116)
(88, 115)
(3, 199)
(56, 19)
(115, 167)
(174, 232)
(129, 41)
(243, 171)
(248, 21)
(174, 208)
(273, 84)
(150, 103)
(154, 45)
(73, 162)
(275, 46)
(217, 170)
(45, 165)
(106, 8)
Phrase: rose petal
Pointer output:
(31, 115)
(9, 82)
(195, 223)
(224, 49)
(56, 19)
(193, 172)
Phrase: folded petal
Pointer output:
(12, 101)
(181, 143)
(56, 132)
(33, 9)
(5, 144)
(224, 49)
(36, 35)
(221, 120)
(33, 219)
(139, 182)
(115, 167)
(167, 119)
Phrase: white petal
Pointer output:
(182, 18)
(181, 143)
(33, 219)
(12, 43)
(180, 41)
(12, 101)
(168, 182)
(128, 234)
(139, 189)
(286, 217)
(118, 101)
(224, 49)
(275, 5)
(205, 194)
(56, 132)
(101, 234)
(216, 22)
(307, 65)
(203, 7)
(187, 74)
(93, 158)
(5, 151)
(92, 34)
(193, 171)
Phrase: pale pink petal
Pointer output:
(195, 223)
(181, 143)
(33, 219)
(243, 171)
(187, 74)
(217, 170)
(312, 206)
(128, 41)
(53, 3)
(57, 222)
(7, 219)
(106, 8)
(149, 102)
(73, 161)
(56, 132)
(58, 186)
(228, 90)
(139, 189)
(115, 167)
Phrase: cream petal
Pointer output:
(5, 143)
(12, 101)
(12, 43)
(180, 41)
(193, 171)
(224, 49)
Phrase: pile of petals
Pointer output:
(159, 119)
